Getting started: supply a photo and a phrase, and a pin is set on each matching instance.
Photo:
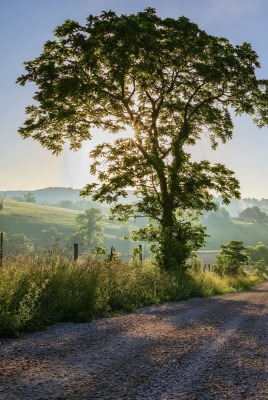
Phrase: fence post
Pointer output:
(140, 252)
(111, 253)
(1, 248)
(75, 251)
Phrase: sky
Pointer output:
(26, 25)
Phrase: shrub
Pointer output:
(231, 259)
(36, 291)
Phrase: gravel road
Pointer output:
(212, 348)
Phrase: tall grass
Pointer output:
(37, 291)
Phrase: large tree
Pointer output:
(170, 82)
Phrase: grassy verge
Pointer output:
(38, 291)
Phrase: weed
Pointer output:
(39, 290)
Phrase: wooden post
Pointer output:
(140, 252)
(75, 251)
(1, 248)
(111, 253)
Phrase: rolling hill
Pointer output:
(41, 223)
(33, 219)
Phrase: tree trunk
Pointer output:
(169, 254)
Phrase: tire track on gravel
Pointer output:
(213, 348)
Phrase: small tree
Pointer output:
(168, 83)
(29, 198)
(89, 227)
(224, 213)
(258, 258)
(66, 204)
(231, 259)
(2, 202)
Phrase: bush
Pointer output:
(258, 259)
(36, 291)
(231, 259)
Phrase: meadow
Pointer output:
(37, 291)
(43, 224)
(36, 221)
(45, 287)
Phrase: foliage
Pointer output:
(231, 259)
(18, 243)
(36, 291)
(262, 216)
(2, 197)
(224, 213)
(29, 197)
(51, 233)
(258, 258)
(89, 227)
(257, 253)
(185, 240)
(66, 204)
(44, 225)
(77, 205)
(168, 81)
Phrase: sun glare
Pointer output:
(129, 132)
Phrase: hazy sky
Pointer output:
(25, 25)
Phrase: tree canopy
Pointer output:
(172, 84)
(231, 259)
(89, 227)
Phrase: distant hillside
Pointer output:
(221, 231)
(37, 221)
(54, 195)
(43, 224)
(51, 195)
(33, 220)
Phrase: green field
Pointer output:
(33, 219)
(222, 230)
(36, 221)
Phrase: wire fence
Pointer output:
(74, 251)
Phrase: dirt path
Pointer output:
(214, 348)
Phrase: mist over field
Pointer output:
(52, 213)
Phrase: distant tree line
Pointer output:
(27, 197)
